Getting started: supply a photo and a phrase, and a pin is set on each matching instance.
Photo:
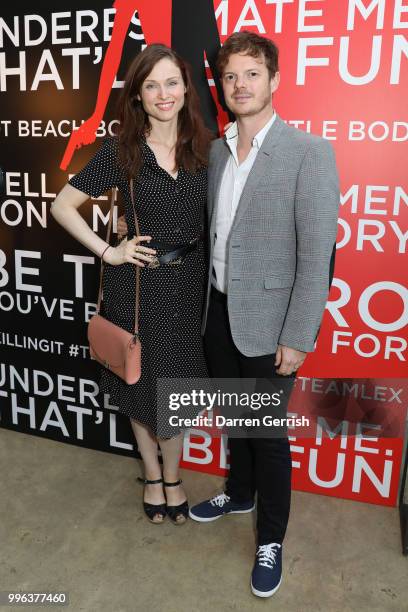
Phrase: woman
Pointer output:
(163, 144)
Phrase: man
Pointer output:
(272, 205)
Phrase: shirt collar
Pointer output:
(231, 135)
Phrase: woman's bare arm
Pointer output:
(64, 209)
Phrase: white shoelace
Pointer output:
(219, 500)
(267, 553)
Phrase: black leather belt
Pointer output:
(175, 254)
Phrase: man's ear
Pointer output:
(275, 82)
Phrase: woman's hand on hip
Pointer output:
(130, 251)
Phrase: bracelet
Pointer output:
(108, 247)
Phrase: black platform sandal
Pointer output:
(177, 514)
(152, 510)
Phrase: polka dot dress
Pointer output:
(171, 296)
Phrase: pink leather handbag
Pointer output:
(112, 346)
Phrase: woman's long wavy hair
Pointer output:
(193, 138)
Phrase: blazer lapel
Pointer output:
(261, 166)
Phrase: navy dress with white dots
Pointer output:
(171, 296)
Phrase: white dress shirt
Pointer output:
(232, 184)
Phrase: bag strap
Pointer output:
(136, 332)
(108, 232)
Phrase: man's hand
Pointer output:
(288, 359)
(122, 227)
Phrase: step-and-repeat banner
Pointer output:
(344, 77)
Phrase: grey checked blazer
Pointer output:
(281, 241)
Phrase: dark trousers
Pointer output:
(257, 465)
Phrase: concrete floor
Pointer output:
(72, 519)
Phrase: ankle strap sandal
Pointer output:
(153, 510)
(177, 514)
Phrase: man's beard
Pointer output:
(266, 102)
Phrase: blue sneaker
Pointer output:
(217, 506)
(267, 573)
